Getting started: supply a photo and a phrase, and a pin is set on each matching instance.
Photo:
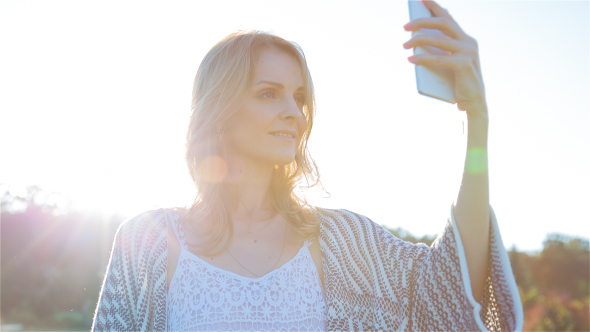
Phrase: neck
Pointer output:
(250, 183)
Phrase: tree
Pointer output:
(554, 284)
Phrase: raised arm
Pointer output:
(471, 208)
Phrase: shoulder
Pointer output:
(142, 240)
(150, 224)
(349, 224)
(142, 222)
(348, 235)
(341, 217)
(342, 221)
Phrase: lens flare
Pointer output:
(476, 161)
(213, 169)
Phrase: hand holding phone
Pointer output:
(435, 82)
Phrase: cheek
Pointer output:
(302, 125)
(249, 126)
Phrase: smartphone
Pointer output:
(435, 82)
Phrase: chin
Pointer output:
(283, 159)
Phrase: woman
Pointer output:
(251, 254)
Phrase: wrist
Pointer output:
(477, 131)
(478, 115)
(477, 137)
(478, 122)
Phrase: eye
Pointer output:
(300, 99)
(267, 94)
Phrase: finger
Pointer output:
(437, 10)
(442, 42)
(455, 62)
(449, 28)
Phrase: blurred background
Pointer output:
(95, 101)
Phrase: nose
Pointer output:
(292, 111)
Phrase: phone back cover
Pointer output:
(436, 82)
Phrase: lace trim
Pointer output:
(205, 297)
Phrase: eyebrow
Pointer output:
(278, 85)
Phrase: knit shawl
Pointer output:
(373, 280)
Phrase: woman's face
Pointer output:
(268, 126)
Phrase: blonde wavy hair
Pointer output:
(221, 81)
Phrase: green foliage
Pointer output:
(554, 284)
(52, 266)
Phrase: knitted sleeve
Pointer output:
(114, 311)
(441, 296)
(133, 294)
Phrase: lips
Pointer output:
(284, 133)
(281, 134)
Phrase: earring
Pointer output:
(219, 132)
(276, 166)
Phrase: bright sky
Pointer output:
(95, 102)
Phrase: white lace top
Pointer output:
(203, 297)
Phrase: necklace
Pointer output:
(272, 268)
(250, 217)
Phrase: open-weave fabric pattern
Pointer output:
(133, 294)
(373, 280)
(203, 297)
